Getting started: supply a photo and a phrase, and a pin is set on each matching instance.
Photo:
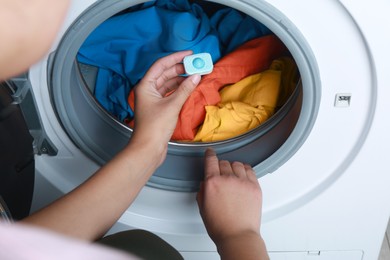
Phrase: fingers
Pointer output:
(211, 164)
(170, 85)
(165, 73)
(169, 74)
(185, 89)
(239, 169)
(164, 64)
(250, 173)
(214, 167)
(225, 167)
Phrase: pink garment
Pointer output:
(23, 242)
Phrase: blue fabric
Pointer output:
(234, 28)
(125, 46)
(111, 90)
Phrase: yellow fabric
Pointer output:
(249, 102)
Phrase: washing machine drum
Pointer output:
(100, 135)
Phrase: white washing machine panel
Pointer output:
(327, 169)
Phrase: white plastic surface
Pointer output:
(313, 255)
(200, 63)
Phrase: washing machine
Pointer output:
(322, 161)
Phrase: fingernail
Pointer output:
(196, 78)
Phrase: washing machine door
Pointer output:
(87, 136)
(100, 136)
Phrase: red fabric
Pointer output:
(250, 58)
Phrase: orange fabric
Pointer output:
(131, 99)
(250, 58)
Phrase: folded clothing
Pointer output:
(249, 102)
(126, 45)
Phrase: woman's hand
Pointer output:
(230, 202)
(230, 198)
(159, 98)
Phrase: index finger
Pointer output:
(162, 64)
(211, 164)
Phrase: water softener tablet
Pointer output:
(200, 63)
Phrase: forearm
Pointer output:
(247, 246)
(92, 208)
(28, 29)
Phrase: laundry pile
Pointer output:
(248, 103)
(250, 73)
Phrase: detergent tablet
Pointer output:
(200, 63)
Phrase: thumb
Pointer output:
(185, 89)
